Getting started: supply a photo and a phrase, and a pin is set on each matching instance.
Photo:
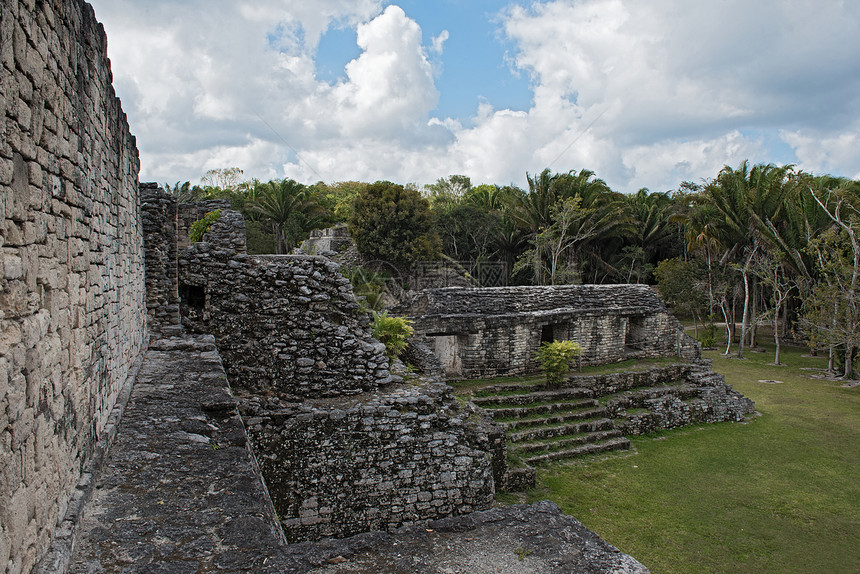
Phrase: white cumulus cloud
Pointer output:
(646, 94)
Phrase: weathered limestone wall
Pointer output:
(287, 324)
(497, 331)
(158, 213)
(330, 240)
(508, 300)
(344, 445)
(72, 306)
(403, 455)
(228, 232)
(643, 402)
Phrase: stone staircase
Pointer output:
(549, 425)
(595, 413)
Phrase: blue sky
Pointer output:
(473, 66)
(646, 93)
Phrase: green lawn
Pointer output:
(779, 493)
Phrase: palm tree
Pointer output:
(599, 216)
(704, 236)
(288, 207)
(652, 233)
(749, 201)
(604, 225)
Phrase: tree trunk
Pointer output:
(753, 321)
(745, 316)
(776, 333)
(734, 314)
(728, 331)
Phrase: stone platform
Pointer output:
(180, 492)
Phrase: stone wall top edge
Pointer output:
(548, 314)
(313, 258)
(90, 21)
(398, 395)
(540, 288)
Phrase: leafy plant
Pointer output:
(393, 332)
(555, 359)
(393, 223)
(368, 284)
(202, 225)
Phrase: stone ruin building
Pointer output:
(96, 269)
(497, 331)
(344, 445)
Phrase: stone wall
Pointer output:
(497, 331)
(377, 452)
(403, 455)
(288, 324)
(330, 240)
(667, 397)
(699, 396)
(158, 213)
(511, 300)
(228, 232)
(72, 305)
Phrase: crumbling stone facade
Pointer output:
(331, 240)
(228, 232)
(290, 324)
(72, 306)
(158, 213)
(497, 331)
(641, 403)
(403, 455)
(344, 445)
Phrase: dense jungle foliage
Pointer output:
(756, 244)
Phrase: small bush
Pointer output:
(393, 332)
(556, 358)
(708, 336)
(368, 284)
(202, 225)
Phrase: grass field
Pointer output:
(779, 493)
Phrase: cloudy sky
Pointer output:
(646, 93)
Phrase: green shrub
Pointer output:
(202, 225)
(393, 332)
(556, 358)
(393, 223)
(368, 284)
(708, 336)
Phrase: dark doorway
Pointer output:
(193, 296)
(547, 334)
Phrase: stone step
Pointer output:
(520, 412)
(535, 397)
(577, 415)
(706, 379)
(510, 388)
(641, 395)
(534, 434)
(565, 442)
(617, 443)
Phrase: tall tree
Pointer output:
(289, 209)
(747, 200)
(222, 178)
(537, 210)
(832, 310)
(394, 223)
(651, 235)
